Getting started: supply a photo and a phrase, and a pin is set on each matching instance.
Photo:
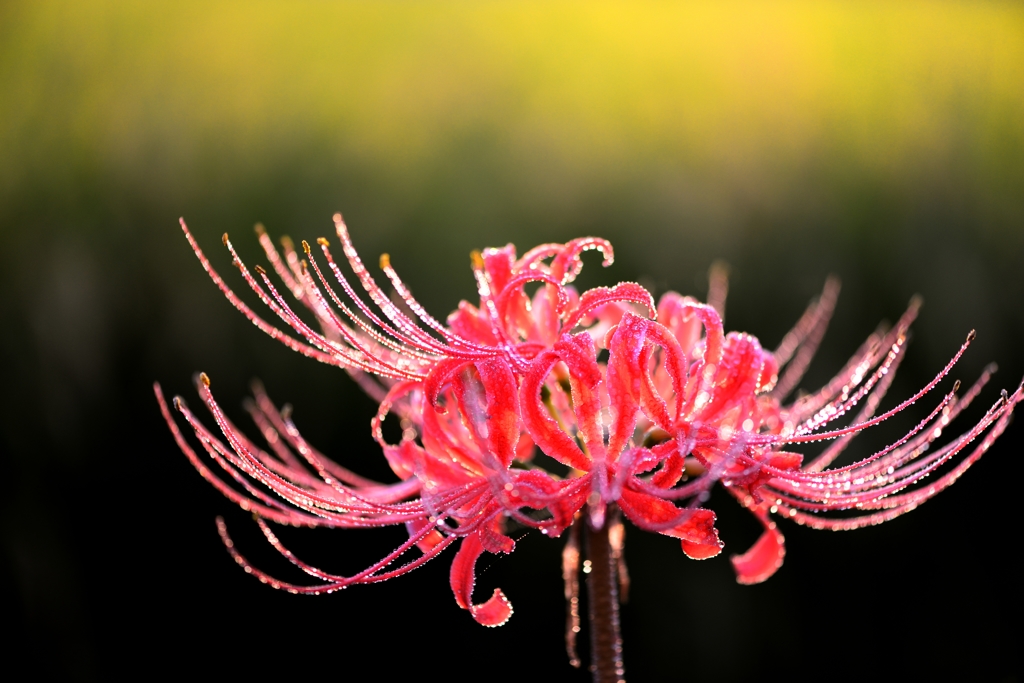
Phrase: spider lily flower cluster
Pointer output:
(540, 410)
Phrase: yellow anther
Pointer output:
(260, 230)
(260, 270)
(224, 239)
(305, 247)
(205, 379)
(385, 261)
(476, 259)
(322, 241)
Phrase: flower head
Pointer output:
(542, 410)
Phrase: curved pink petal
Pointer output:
(470, 322)
(764, 557)
(541, 427)
(670, 472)
(502, 418)
(567, 264)
(580, 356)
(494, 541)
(696, 528)
(624, 349)
(498, 264)
(673, 361)
(439, 376)
(736, 377)
(563, 499)
(428, 542)
(497, 609)
(600, 296)
(676, 313)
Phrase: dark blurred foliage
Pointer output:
(883, 144)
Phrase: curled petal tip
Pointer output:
(322, 241)
(495, 612)
(762, 560)
(701, 551)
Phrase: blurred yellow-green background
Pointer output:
(883, 142)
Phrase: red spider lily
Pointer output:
(676, 406)
(458, 482)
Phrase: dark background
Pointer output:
(883, 143)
